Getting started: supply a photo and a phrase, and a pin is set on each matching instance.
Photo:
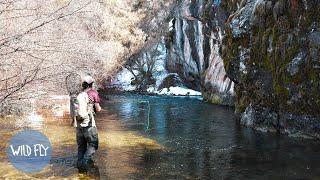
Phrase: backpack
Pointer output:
(81, 108)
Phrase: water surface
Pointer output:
(174, 138)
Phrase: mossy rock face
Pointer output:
(282, 67)
(270, 50)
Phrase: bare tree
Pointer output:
(42, 41)
(142, 66)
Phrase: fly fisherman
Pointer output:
(83, 107)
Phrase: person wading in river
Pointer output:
(86, 104)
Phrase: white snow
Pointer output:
(178, 91)
(151, 90)
(243, 68)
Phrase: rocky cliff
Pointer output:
(194, 49)
(263, 53)
(261, 56)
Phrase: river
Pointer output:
(152, 137)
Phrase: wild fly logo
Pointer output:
(25, 150)
(29, 151)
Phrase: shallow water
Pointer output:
(173, 138)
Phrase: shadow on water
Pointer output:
(163, 137)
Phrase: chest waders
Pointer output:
(86, 133)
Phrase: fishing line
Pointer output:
(148, 119)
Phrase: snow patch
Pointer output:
(243, 68)
(178, 91)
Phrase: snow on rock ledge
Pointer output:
(178, 91)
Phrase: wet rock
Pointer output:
(219, 98)
(300, 125)
(260, 118)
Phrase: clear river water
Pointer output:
(152, 137)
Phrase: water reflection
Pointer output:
(126, 110)
(186, 129)
(204, 141)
